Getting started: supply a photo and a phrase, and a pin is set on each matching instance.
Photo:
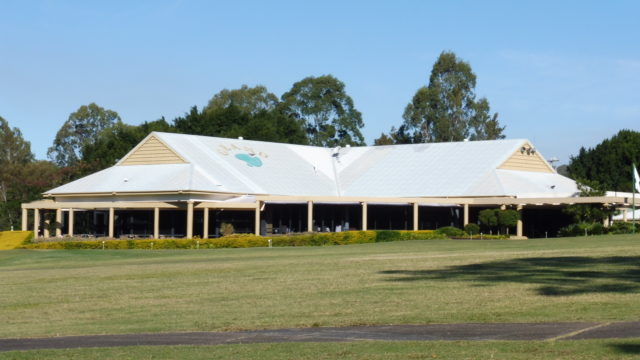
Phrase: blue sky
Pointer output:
(564, 74)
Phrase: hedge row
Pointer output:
(249, 240)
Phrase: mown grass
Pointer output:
(507, 350)
(48, 293)
(12, 239)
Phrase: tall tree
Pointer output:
(327, 112)
(250, 100)
(446, 109)
(15, 153)
(13, 148)
(608, 163)
(231, 122)
(82, 128)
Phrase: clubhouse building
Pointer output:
(176, 185)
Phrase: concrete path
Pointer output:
(474, 332)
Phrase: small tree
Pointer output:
(488, 218)
(497, 218)
(507, 219)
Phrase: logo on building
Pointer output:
(243, 153)
(251, 160)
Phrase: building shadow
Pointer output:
(556, 276)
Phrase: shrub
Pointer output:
(451, 231)
(226, 229)
(387, 235)
(579, 229)
(250, 240)
(619, 227)
(472, 229)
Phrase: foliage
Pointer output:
(508, 218)
(15, 153)
(13, 148)
(488, 218)
(327, 112)
(248, 100)
(226, 229)
(620, 227)
(582, 228)
(232, 122)
(81, 128)
(13, 239)
(451, 231)
(446, 109)
(494, 218)
(472, 229)
(609, 163)
(388, 235)
(589, 213)
(248, 240)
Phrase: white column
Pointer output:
(205, 226)
(112, 216)
(190, 220)
(36, 222)
(156, 223)
(71, 220)
(309, 216)
(465, 220)
(24, 219)
(58, 222)
(364, 216)
(257, 222)
(625, 215)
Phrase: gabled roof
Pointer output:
(210, 164)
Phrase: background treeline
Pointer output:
(315, 111)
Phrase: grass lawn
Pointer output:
(49, 293)
(507, 350)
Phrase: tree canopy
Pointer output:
(326, 111)
(13, 148)
(15, 152)
(232, 122)
(608, 163)
(447, 109)
(81, 128)
(250, 100)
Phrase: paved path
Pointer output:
(517, 331)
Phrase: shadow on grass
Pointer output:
(626, 348)
(557, 276)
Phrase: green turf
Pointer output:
(507, 350)
(48, 293)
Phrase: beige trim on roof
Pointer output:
(152, 151)
(524, 159)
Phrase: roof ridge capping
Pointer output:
(163, 134)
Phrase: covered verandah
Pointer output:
(268, 215)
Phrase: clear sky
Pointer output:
(564, 74)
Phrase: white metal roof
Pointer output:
(258, 167)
